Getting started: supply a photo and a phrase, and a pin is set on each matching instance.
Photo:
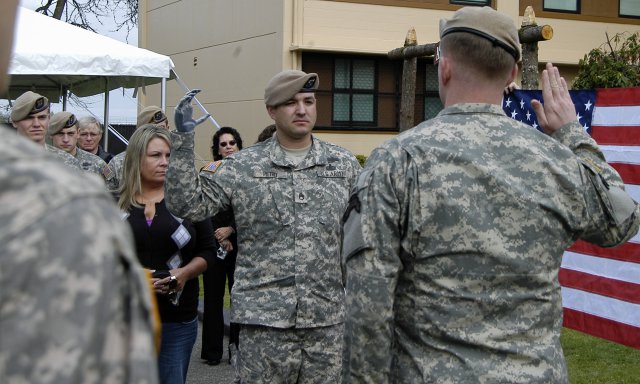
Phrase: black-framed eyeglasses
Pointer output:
(436, 56)
(231, 143)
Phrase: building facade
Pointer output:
(231, 48)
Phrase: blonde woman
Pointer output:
(175, 250)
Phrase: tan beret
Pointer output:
(486, 23)
(151, 114)
(287, 84)
(60, 121)
(27, 104)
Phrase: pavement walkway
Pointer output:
(202, 373)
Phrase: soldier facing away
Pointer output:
(288, 194)
(455, 231)
(75, 307)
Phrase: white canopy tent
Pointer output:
(52, 58)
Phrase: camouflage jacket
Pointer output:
(94, 164)
(453, 241)
(287, 222)
(63, 156)
(75, 305)
(116, 164)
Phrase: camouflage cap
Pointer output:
(287, 83)
(28, 103)
(151, 114)
(486, 23)
(60, 121)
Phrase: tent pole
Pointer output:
(105, 123)
(65, 92)
(163, 95)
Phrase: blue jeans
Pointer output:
(175, 351)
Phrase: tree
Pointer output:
(80, 12)
(615, 63)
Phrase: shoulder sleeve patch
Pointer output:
(107, 172)
(212, 167)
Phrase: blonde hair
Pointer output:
(131, 182)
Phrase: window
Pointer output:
(354, 95)
(571, 6)
(630, 8)
(432, 103)
(471, 2)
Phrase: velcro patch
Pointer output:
(107, 172)
(212, 167)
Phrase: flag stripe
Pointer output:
(630, 173)
(617, 135)
(618, 116)
(619, 96)
(621, 153)
(604, 328)
(603, 286)
(601, 306)
(602, 266)
(628, 252)
(634, 192)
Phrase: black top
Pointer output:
(226, 219)
(166, 238)
(104, 155)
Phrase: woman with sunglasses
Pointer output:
(226, 142)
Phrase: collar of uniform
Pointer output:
(316, 156)
(472, 108)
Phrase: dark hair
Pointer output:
(266, 133)
(216, 140)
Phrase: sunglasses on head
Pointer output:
(230, 142)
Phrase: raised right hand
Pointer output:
(558, 108)
(183, 116)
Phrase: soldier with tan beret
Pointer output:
(455, 231)
(30, 117)
(63, 132)
(288, 194)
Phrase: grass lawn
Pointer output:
(589, 359)
(594, 360)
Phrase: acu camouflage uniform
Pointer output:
(116, 164)
(63, 156)
(94, 164)
(453, 241)
(74, 307)
(288, 271)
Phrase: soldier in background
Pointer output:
(76, 307)
(288, 195)
(89, 137)
(30, 117)
(63, 131)
(455, 231)
(149, 115)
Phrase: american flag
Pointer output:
(601, 286)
